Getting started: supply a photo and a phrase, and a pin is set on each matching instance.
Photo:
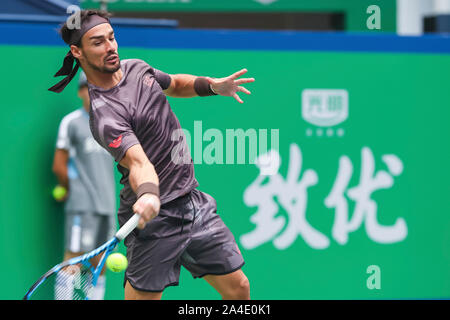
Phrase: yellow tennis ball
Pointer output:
(59, 192)
(117, 262)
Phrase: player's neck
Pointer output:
(104, 80)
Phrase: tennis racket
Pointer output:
(75, 278)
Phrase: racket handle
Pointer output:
(129, 226)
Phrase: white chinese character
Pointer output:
(292, 196)
(365, 207)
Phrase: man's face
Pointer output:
(99, 49)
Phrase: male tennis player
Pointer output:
(86, 170)
(131, 118)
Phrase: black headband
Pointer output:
(68, 69)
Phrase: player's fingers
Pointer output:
(237, 98)
(245, 80)
(238, 74)
(242, 89)
(141, 223)
(137, 208)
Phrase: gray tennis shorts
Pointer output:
(86, 231)
(187, 232)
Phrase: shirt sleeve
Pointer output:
(119, 138)
(63, 139)
(162, 78)
(113, 132)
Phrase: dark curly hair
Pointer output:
(66, 33)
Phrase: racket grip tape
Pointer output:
(129, 226)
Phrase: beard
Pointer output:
(104, 68)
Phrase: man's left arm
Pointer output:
(186, 86)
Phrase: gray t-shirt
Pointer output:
(136, 111)
(90, 168)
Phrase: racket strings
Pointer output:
(73, 282)
(73, 279)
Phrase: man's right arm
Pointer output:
(141, 170)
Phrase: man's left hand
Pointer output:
(230, 85)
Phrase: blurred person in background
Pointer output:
(86, 171)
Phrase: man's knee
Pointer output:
(240, 290)
(244, 287)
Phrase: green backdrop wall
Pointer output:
(355, 10)
(362, 180)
